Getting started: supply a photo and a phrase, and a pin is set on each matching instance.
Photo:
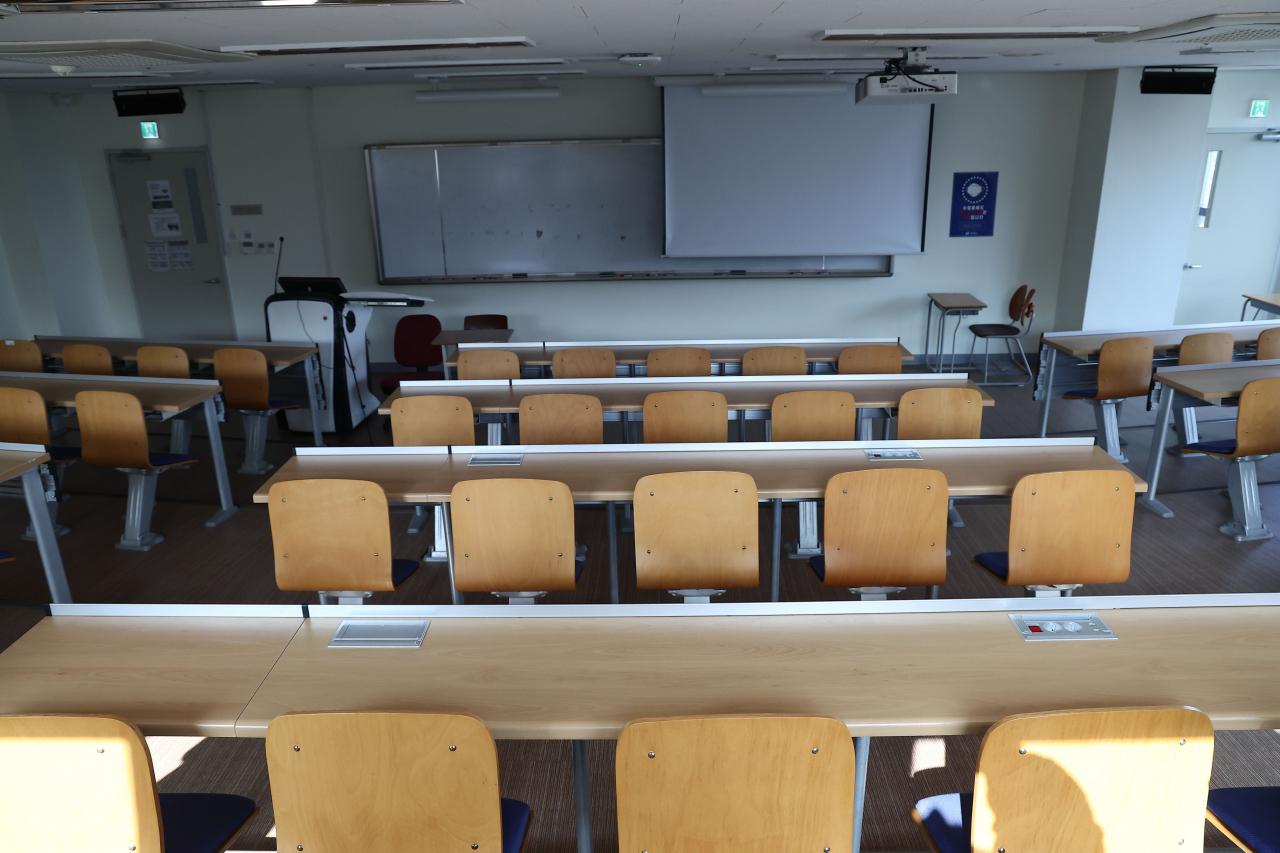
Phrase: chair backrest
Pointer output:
(113, 429)
(414, 334)
(1124, 368)
(25, 357)
(485, 321)
(488, 364)
(242, 373)
(584, 363)
(774, 361)
(561, 419)
(871, 358)
(1258, 418)
(1020, 306)
(512, 536)
(940, 413)
(384, 782)
(23, 417)
(685, 416)
(814, 416)
(330, 535)
(87, 359)
(697, 530)
(1109, 780)
(1207, 348)
(77, 783)
(430, 420)
(163, 363)
(1071, 527)
(748, 784)
(886, 527)
(1268, 344)
(678, 361)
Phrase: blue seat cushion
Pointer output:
(401, 569)
(5, 557)
(996, 562)
(163, 460)
(201, 823)
(515, 823)
(1253, 814)
(996, 330)
(282, 404)
(62, 454)
(1086, 393)
(948, 818)
(1225, 446)
(577, 569)
(819, 566)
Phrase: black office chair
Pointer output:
(1020, 308)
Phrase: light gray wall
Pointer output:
(1234, 91)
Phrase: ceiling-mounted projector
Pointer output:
(640, 59)
(898, 88)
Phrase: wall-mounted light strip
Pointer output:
(507, 74)
(452, 63)
(375, 46)
(461, 95)
(749, 90)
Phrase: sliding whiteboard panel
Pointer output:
(794, 174)
(406, 211)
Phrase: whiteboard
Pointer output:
(542, 210)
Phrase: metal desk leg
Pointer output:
(775, 576)
(219, 465)
(960, 315)
(1048, 390)
(1156, 459)
(861, 749)
(454, 595)
(928, 323)
(313, 400)
(582, 795)
(46, 541)
(611, 524)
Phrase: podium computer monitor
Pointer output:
(297, 284)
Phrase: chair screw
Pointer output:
(1182, 742)
(815, 750)
(453, 747)
(826, 850)
(651, 755)
(1022, 751)
(297, 748)
(475, 846)
(99, 750)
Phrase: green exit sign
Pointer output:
(1258, 109)
(151, 130)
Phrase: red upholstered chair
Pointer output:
(414, 334)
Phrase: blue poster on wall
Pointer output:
(973, 204)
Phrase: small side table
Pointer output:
(958, 305)
(1269, 302)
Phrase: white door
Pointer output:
(165, 202)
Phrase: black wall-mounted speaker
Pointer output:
(148, 102)
(1178, 80)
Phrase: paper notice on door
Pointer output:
(157, 255)
(180, 255)
(165, 225)
(161, 197)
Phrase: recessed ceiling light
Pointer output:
(453, 63)
(190, 84)
(111, 53)
(189, 5)
(376, 46)
(971, 33)
(547, 73)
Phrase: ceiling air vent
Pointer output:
(915, 35)
(110, 53)
(1210, 29)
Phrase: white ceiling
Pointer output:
(691, 36)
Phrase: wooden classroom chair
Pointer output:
(389, 783)
(113, 434)
(6, 557)
(941, 413)
(171, 363)
(488, 364)
(1111, 780)
(584, 363)
(333, 537)
(484, 321)
(774, 361)
(1124, 370)
(870, 358)
(1021, 310)
(1207, 348)
(678, 361)
(561, 419)
(1257, 436)
(25, 420)
(886, 530)
(685, 416)
(84, 783)
(727, 784)
(1066, 528)
(1249, 817)
(21, 357)
(432, 420)
(413, 348)
(87, 360)
(1268, 344)
(514, 538)
(244, 379)
(697, 533)
(813, 416)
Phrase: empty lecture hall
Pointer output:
(422, 420)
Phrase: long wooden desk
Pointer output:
(24, 461)
(169, 397)
(1199, 385)
(1082, 345)
(1269, 302)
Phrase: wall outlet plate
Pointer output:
(894, 454)
(380, 634)
(1036, 627)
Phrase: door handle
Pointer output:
(213, 281)
(1191, 266)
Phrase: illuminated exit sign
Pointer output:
(1258, 109)
(151, 130)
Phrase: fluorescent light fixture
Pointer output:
(50, 75)
(150, 130)
(185, 83)
(197, 5)
(972, 33)
(111, 53)
(537, 74)
(439, 96)
(452, 63)
(747, 90)
(371, 46)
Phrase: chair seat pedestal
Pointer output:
(335, 596)
(255, 442)
(696, 596)
(521, 597)
(1246, 506)
(137, 517)
(875, 593)
(1056, 590)
(808, 544)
